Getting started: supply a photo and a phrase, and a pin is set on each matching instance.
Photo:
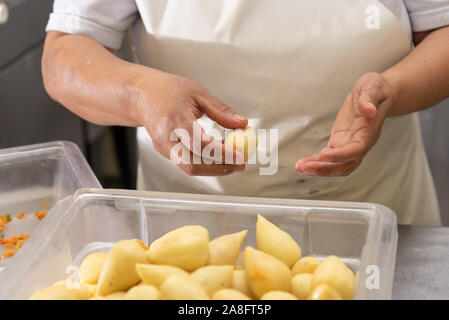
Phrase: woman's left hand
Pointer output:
(356, 129)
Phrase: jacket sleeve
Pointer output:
(105, 21)
(426, 15)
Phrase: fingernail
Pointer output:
(239, 117)
(372, 106)
(299, 168)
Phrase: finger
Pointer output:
(181, 156)
(210, 170)
(168, 133)
(370, 96)
(328, 169)
(301, 163)
(343, 123)
(350, 152)
(220, 112)
(194, 137)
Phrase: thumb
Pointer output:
(371, 95)
(220, 112)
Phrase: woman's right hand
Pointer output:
(89, 80)
(168, 102)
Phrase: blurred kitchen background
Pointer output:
(28, 115)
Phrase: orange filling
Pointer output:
(15, 242)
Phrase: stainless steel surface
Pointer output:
(422, 263)
(436, 140)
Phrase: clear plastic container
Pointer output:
(49, 171)
(93, 220)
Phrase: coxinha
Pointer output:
(185, 265)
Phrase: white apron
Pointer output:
(287, 64)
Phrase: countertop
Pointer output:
(422, 263)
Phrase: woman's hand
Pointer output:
(90, 81)
(356, 129)
(167, 103)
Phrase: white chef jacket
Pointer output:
(106, 21)
(107, 24)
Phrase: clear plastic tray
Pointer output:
(50, 172)
(93, 220)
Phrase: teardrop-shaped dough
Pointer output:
(142, 292)
(92, 289)
(225, 250)
(240, 282)
(85, 290)
(229, 294)
(154, 274)
(278, 295)
(302, 285)
(305, 265)
(119, 295)
(324, 292)
(243, 140)
(119, 269)
(186, 248)
(265, 272)
(91, 266)
(276, 242)
(214, 278)
(179, 287)
(336, 274)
